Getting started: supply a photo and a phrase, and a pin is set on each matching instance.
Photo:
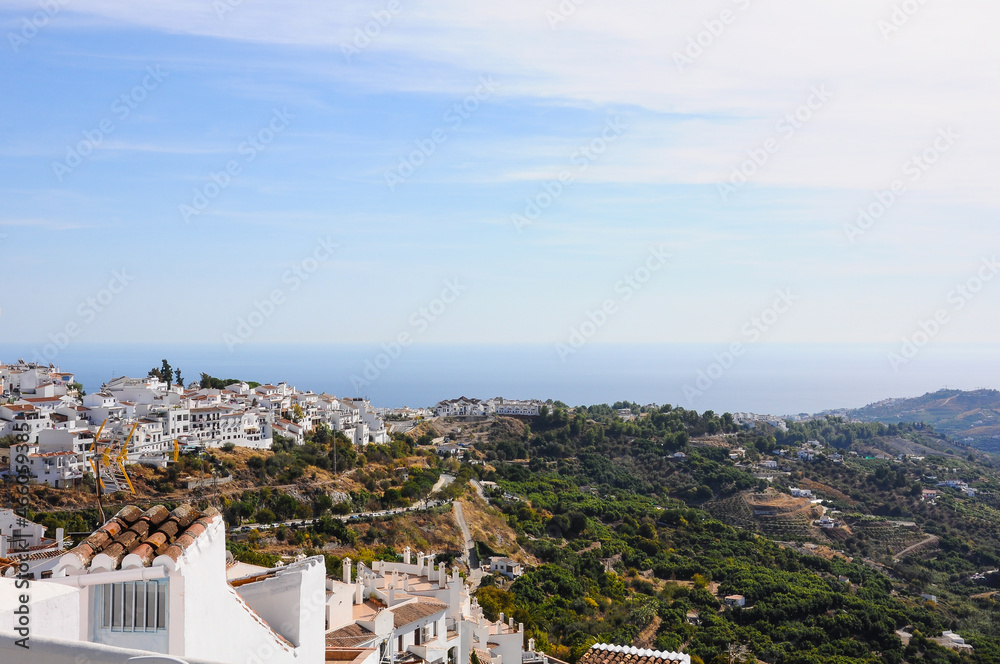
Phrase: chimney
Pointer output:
(442, 575)
(510, 623)
(520, 628)
(347, 570)
(406, 555)
(359, 592)
(531, 645)
(60, 534)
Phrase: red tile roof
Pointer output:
(147, 534)
(406, 614)
(350, 636)
(603, 653)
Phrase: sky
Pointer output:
(231, 172)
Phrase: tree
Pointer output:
(177, 377)
(164, 373)
(322, 503)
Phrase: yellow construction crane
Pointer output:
(113, 459)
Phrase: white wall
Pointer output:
(54, 609)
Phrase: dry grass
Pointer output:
(488, 525)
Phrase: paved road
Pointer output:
(342, 517)
(478, 487)
(469, 557)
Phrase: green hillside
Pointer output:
(645, 526)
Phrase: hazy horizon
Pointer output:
(779, 379)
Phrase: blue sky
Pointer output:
(665, 128)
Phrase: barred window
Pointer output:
(134, 606)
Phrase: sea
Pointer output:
(777, 379)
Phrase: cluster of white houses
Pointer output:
(161, 582)
(466, 407)
(59, 427)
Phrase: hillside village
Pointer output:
(157, 419)
(314, 583)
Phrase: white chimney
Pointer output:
(406, 555)
(347, 570)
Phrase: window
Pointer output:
(133, 606)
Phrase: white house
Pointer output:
(505, 566)
(529, 408)
(155, 582)
(57, 469)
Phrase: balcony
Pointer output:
(432, 651)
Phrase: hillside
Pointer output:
(858, 542)
(971, 418)
(848, 541)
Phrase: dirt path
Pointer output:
(924, 543)
(647, 636)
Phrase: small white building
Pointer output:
(154, 582)
(505, 566)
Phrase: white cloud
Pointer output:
(890, 95)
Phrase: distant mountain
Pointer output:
(971, 418)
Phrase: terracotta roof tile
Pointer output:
(603, 653)
(349, 636)
(409, 613)
(146, 534)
